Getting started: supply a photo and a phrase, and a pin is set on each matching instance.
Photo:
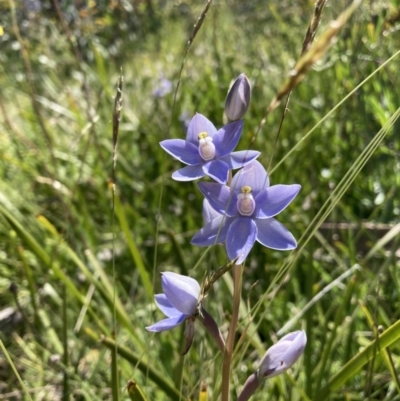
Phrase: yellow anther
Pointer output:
(246, 190)
(202, 135)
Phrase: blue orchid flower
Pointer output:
(181, 302)
(207, 151)
(246, 213)
(178, 302)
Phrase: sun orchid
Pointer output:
(178, 302)
(246, 213)
(278, 359)
(207, 151)
(282, 355)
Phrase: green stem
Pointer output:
(66, 391)
(227, 359)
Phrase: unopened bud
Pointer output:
(282, 355)
(238, 100)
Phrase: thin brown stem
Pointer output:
(308, 39)
(227, 359)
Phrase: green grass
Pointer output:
(58, 240)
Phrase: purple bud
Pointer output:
(279, 358)
(238, 100)
(282, 355)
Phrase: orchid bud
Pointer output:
(282, 355)
(279, 358)
(238, 99)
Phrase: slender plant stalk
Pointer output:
(308, 39)
(227, 359)
(24, 388)
(115, 131)
(65, 391)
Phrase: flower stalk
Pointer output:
(228, 352)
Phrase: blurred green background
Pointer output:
(59, 66)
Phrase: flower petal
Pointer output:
(275, 235)
(252, 175)
(241, 158)
(199, 124)
(227, 138)
(212, 233)
(217, 170)
(296, 348)
(165, 306)
(182, 150)
(181, 291)
(272, 363)
(189, 173)
(208, 212)
(219, 197)
(273, 200)
(166, 324)
(240, 238)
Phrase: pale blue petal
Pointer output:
(199, 124)
(240, 238)
(275, 235)
(166, 324)
(272, 363)
(182, 150)
(296, 348)
(208, 212)
(189, 173)
(241, 158)
(165, 306)
(217, 170)
(227, 138)
(212, 233)
(219, 197)
(181, 291)
(273, 200)
(252, 175)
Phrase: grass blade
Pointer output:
(387, 338)
(144, 275)
(145, 368)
